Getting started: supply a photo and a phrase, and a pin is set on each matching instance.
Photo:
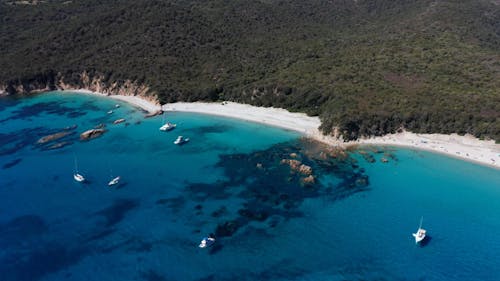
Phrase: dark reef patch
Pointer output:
(214, 129)
(270, 190)
(39, 261)
(21, 229)
(12, 142)
(152, 276)
(52, 108)
(116, 212)
(11, 163)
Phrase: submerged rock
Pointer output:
(226, 229)
(294, 164)
(58, 145)
(297, 166)
(99, 126)
(305, 170)
(52, 137)
(91, 134)
(118, 121)
(152, 114)
(310, 180)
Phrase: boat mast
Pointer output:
(76, 165)
(421, 219)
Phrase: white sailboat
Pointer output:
(114, 181)
(181, 140)
(207, 242)
(76, 175)
(420, 235)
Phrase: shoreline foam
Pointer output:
(465, 147)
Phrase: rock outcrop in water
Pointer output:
(91, 134)
(297, 166)
(118, 121)
(52, 137)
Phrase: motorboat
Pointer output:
(78, 177)
(420, 235)
(111, 111)
(181, 140)
(114, 181)
(167, 126)
(207, 242)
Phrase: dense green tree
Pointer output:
(366, 67)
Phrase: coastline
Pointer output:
(465, 147)
(137, 101)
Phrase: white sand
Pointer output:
(134, 100)
(463, 147)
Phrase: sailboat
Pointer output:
(181, 140)
(77, 176)
(420, 235)
(114, 181)
(207, 241)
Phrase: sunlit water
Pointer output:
(354, 223)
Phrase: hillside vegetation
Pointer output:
(366, 67)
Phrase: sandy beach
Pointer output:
(137, 101)
(464, 147)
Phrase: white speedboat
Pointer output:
(420, 235)
(78, 177)
(114, 181)
(207, 242)
(167, 127)
(181, 140)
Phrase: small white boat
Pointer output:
(181, 140)
(114, 181)
(167, 126)
(117, 105)
(78, 177)
(207, 242)
(111, 111)
(420, 235)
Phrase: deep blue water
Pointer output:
(354, 223)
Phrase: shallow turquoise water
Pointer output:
(355, 223)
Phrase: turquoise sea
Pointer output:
(354, 223)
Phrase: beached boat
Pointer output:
(76, 175)
(114, 181)
(167, 126)
(207, 241)
(181, 140)
(420, 235)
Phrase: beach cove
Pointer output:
(235, 179)
(465, 147)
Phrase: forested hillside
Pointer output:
(367, 67)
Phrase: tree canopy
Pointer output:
(367, 67)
